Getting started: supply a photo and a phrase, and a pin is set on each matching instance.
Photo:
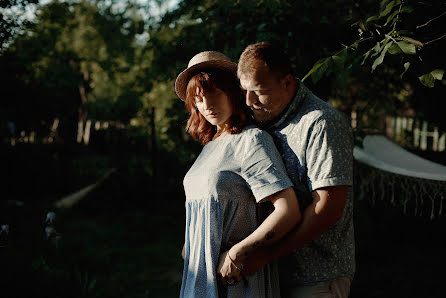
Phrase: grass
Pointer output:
(121, 243)
(133, 252)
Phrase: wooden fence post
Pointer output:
(423, 143)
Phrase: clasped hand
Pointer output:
(228, 271)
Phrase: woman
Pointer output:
(238, 167)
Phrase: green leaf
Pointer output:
(389, 8)
(407, 48)
(366, 55)
(318, 73)
(362, 25)
(316, 66)
(402, 47)
(406, 67)
(377, 49)
(384, 3)
(428, 79)
(394, 49)
(407, 9)
(372, 18)
(411, 40)
(338, 61)
(438, 74)
(380, 59)
(391, 17)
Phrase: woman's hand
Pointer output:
(228, 270)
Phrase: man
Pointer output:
(317, 147)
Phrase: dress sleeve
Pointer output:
(263, 168)
(330, 154)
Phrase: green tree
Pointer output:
(74, 55)
(397, 52)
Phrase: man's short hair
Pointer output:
(271, 55)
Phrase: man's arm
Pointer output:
(285, 216)
(327, 208)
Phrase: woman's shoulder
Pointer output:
(253, 130)
(252, 133)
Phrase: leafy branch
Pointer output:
(394, 42)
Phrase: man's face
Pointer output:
(264, 92)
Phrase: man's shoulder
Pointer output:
(315, 110)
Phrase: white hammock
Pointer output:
(394, 169)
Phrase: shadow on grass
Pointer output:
(117, 243)
(105, 249)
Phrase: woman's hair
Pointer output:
(208, 80)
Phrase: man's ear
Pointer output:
(288, 80)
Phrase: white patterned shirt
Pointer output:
(316, 144)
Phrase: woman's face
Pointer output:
(214, 105)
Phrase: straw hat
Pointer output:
(207, 59)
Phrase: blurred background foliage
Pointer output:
(83, 78)
(117, 60)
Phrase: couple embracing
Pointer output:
(269, 208)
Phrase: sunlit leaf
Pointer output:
(380, 59)
(318, 73)
(429, 78)
(338, 61)
(366, 55)
(377, 49)
(407, 48)
(362, 25)
(406, 67)
(402, 47)
(394, 49)
(438, 74)
(316, 66)
(372, 18)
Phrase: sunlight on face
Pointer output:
(214, 105)
(264, 92)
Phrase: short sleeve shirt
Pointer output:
(316, 144)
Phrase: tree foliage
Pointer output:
(411, 31)
(117, 60)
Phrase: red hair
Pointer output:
(208, 80)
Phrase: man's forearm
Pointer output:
(316, 219)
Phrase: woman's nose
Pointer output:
(207, 103)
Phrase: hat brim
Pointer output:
(184, 77)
